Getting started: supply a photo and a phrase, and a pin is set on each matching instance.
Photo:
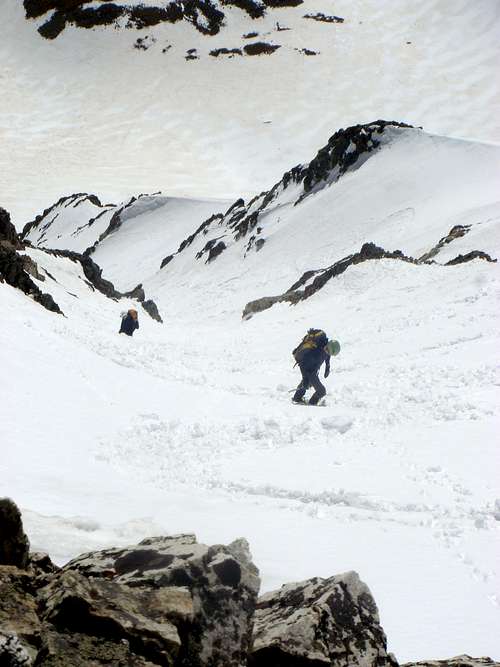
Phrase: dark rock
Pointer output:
(250, 35)
(312, 281)
(239, 203)
(14, 545)
(219, 586)
(144, 43)
(215, 251)
(152, 310)
(282, 3)
(8, 231)
(319, 16)
(226, 52)
(474, 254)
(317, 622)
(260, 48)
(343, 151)
(13, 272)
(137, 293)
(166, 261)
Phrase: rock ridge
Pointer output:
(172, 601)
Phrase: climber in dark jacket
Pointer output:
(130, 322)
(310, 361)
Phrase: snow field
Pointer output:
(189, 426)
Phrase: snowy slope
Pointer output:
(88, 112)
(405, 190)
(189, 425)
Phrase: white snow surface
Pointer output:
(88, 112)
(188, 426)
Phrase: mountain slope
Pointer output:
(89, 112)
(395, 186)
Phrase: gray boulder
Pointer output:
(100, 607)
(209, 595)
(320, 622)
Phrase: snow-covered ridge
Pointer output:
(285, 245)
(346, 150)
(80, 221)
(439, 211)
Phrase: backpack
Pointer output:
(314, 339)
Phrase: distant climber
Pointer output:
(130, 322)
(314, 350)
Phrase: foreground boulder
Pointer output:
(207, 595)
(167, 601)
(173, 602)
(319, 622)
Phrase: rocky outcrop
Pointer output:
(343, 151)
(204, 15)
(152, 310)
(455, 232)
(469, 256)
(216, 587)
(174, 602)
(14, 545)
(92, 272)
(260, 48)
(457, 661)
(332, 622)
(13, 272)
(167, 601)
(324, 18)
(312, 281)
(346, 150)
(230, 53)
(8, 232)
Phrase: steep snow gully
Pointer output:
(189, 425)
